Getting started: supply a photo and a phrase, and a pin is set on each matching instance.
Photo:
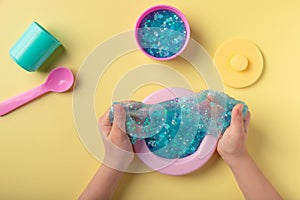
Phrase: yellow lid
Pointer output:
(239, 62)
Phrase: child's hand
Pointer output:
(232, 145)
(118, 149)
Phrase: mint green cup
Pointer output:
(34, 47)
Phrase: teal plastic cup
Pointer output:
(34, 47)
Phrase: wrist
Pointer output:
(233, 161)
(117, 164)
(109, 170)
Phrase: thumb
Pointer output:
(119, 119)
(237, 122)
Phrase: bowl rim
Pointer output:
(163, 7)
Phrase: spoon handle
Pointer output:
(21, 99)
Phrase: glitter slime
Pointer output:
(175, 131)
(175, 128)
(162, 32)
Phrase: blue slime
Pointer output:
(162, 33)
(175, 128)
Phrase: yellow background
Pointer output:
(41, 156)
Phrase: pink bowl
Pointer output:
(163, 7)
(179, 166)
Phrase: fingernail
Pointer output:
(117, 108)
(241, 109)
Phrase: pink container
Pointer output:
(157, 8)
(181, 166)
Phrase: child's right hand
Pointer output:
(118, 148)
(232, 145)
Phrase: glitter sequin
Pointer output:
(175, 128)
(162, 33)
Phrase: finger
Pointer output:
(247, 121)
(210, 98)
(237, 122)
(104, 123)
(119, 119)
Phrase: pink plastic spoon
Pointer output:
(60, 79)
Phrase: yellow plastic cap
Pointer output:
(240, 62)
